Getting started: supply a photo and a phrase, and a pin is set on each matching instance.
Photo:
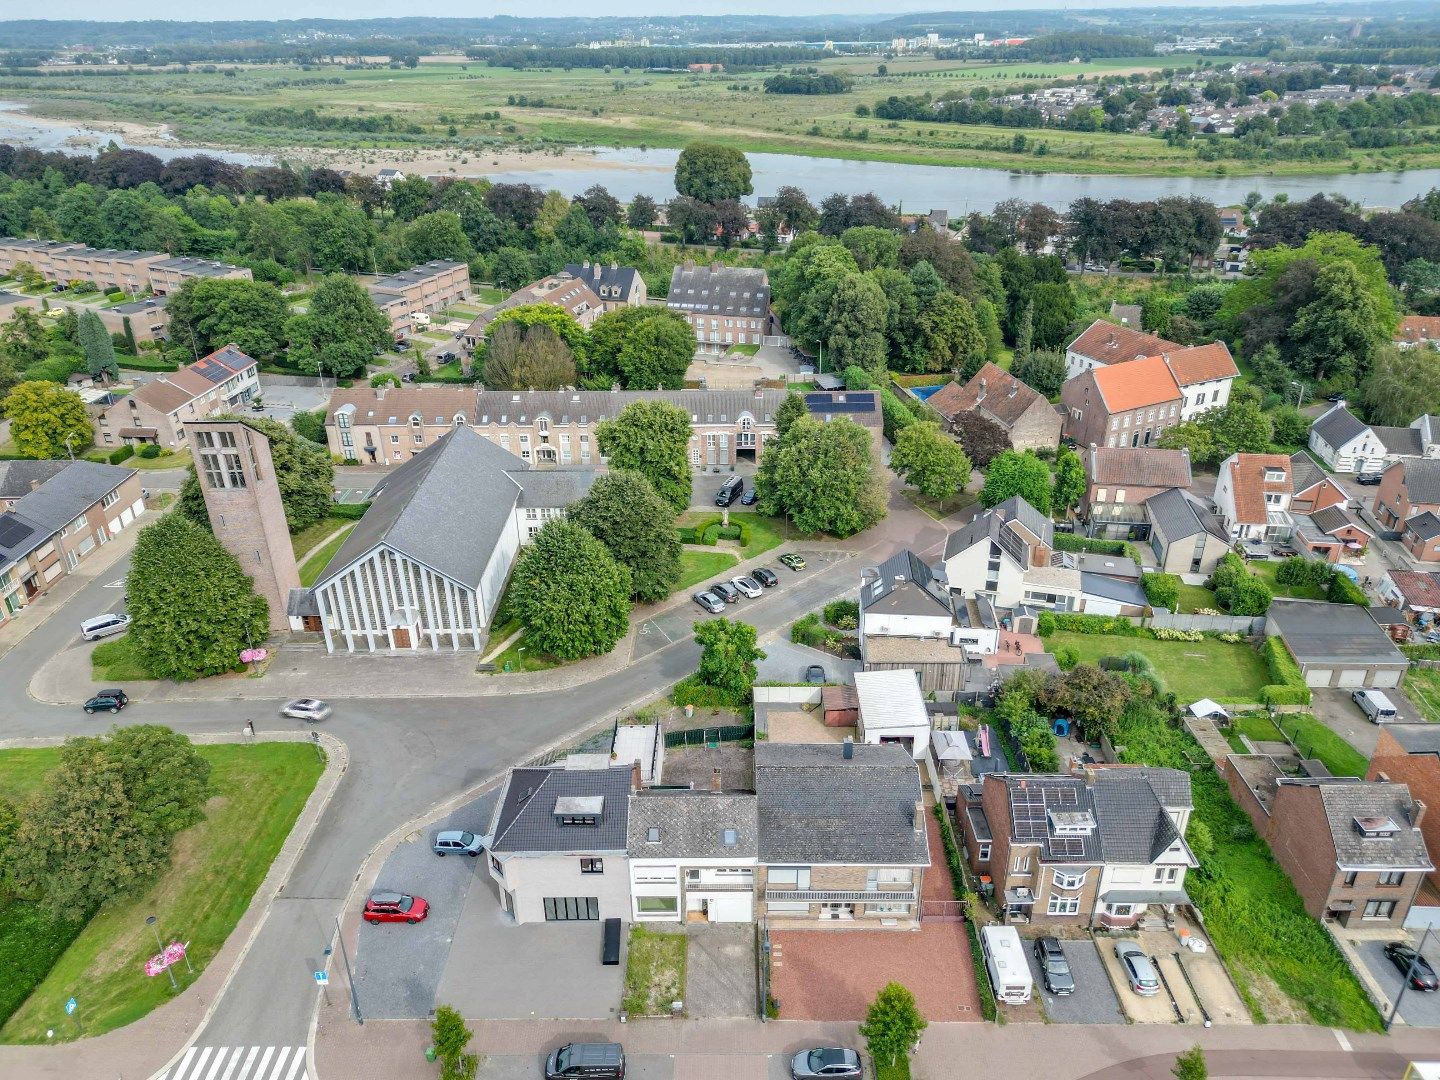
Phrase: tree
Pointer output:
(1053, 313)
(1162, 590)
(727, 655)
(982, 438)
(96, 344)
(340, 332)
(1070, 480)
(643, 213)
(43, 415)
(450, 1035)
(857, 321)
(710, 172)
(1016, 473)
(1291, 427)
(892, 1024)
(950, 336)
(530, 359)
(653, 439)
(1238, 427)
(192, 608)
(822, 477)
(1025, 332)
(1194, 437)
(1042, 370)
(794, 408)
(1402, 384)
(303, 472)
(23, 338)
(437, 236)
(872, 246)
(1337, 332)
(1093, 696)
(623, 511)
(552, 315)
(310, 426)
(569, 593)
(642, 348)
(1190, 1065)
(931, 462)
(208, 313)
(601, 208)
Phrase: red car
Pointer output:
(395, 907)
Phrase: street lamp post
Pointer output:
(349, 977)
(1409, 974)
(150, 921)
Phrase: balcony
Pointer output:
(852, 896)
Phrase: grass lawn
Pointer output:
(698, 566)
(1196, 596)
(488, 294)
(765, 532)
(115, 661)
(945, 507)
(1422, 685)
(1265, 571)
(311, 568)
(1314, 739)
(178, 460)
(1191, 669)
(654, 971)
(1258, 727)
(899, 1071)
(259, 791)
(521, 657)
(311, 537)
(745, 350)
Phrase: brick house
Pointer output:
(1103, 343)
(1093, 850)
(1329, 534)
(617, 286)
(562, 290)
(1408, 487)
(726, 305)
(1413, 592)
(1120, 480)
(1418, 330)
(1354, 849)
(1122, 405)
(1409, 754)
(1030, 421)
(1421, 536)
(158, 411)
(65, 511)
(167, 275)
(426, 288)
(1310, 488)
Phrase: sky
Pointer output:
(122, 10)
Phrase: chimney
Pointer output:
(1014, 389)
(919, 821)
(1417, 813)
(715, 782)
(1382, 778)
(637, 778)
(848, 748)
(980, 396)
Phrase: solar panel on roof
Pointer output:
(825, 403)
(13, 531)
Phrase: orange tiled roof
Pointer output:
(1247, 476)
(1416, 328)
(1202, 363)
(1110, 343)
(1136, 385)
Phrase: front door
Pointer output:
(837, 911)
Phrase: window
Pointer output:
(1350, 878)
(1273, 498)
(1119, 495)
(1100, 494)
(1379, 909)
(887, 909)
(982, 851)
(657, 905)
(394, 440)
(784, 907)
(1392, 878)
(110, 499)
(1069, 881)
(789, 877)
(1122, 909)
(1166, 875)
(878, 877)
(1021, 864)
(495, 866)
(592, 866)
(572, 908)
(1064, 905)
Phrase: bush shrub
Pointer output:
(1344, 591)
(149, 452)
(1050, 621)
(692, 691)
(1164, 633)
(117, 456)
(808, 631)
(1287, 682)
(1298, 571)
(1031, 732)
(843, 614)
(1066, 658)
(1162, 590)
(349, 511)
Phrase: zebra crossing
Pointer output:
(240, 1063)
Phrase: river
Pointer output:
(630, 172)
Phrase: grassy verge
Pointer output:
(309, 538)
(217, 865)
(698, 566)
(1422, 686)
(899, 1071)
(314, 566)
(521, 657)
(488, 294)
(178, 460)
(1191, 669)
(765, 532)
(744, 350)
(115, 661)
(1313, 739)
(943, 508)
(1265, 571)
(654, 971)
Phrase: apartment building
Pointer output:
(167, 275)
(158, 411)
(108, 268)
(428, 288)
(726, 305)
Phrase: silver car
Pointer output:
(104, 625)
(306, 708)
(457, 842)
(1140, 972)
(837, 1062)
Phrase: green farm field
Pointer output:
(592, 107)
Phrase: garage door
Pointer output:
(1387, 677)
(1101, 607)
(126, 516)
(728, 906)
(1353, 676)
(1317, 677)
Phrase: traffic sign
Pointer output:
(321, 978)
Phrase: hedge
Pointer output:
(1050, 621)
(1289, 686)
(349, 511)
(149, 451)
(1071, 542)
(147, 363)
(959, 885)
(1162, 590)
(708, 530)
(692, 691)
(119, 455)
(1344, 591)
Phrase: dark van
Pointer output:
(586, 1061)
(729, 491)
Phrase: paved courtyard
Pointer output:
(1416, 1009)
(720, 976)
(1093, 1001)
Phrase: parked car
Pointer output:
(401, 346)
(710, 602)
(748, 586)
(815, 675)
(308, 709)
(409, 376)
(1053, 966)
(725, 592)
(1412, 965)
(395, 907)
(765, 576)
(586, 1061)
(445, 357)
(107, 701)
(793, 561)
(825, 1062)
(729, 491)
(457, 842)
(1140, 972)
(749, 498)
(117, 622)
(1369, 479)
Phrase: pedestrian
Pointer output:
(250, 728)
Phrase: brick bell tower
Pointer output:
(242, 497)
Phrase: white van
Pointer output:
(1375, 705)
(104, 625)
(1005, 961)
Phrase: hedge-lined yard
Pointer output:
(1220, 670)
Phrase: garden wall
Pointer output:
(1224, 624)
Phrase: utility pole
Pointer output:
(1409, 974)
(349, 977)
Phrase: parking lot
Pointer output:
(1416, 1009)
(1093, 1001)
(733, 1066)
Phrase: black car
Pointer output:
(107, 701)
(401, 346)
(1053, 966)
(765, 577)
(725, 592)
(815, 675)
(1412, 965)
(748, 499)
(1369, 479)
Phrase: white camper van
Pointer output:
(1005, 960)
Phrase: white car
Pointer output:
(749, 586)
(308, 709)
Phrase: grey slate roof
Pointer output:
(70, 492)
(607, 281)
(817, 807)
(17, 476)
(1416, 738)
(1033, 798)
(1424, 525)
(1130, 809)
(525, 816)
(415, 275)
(692, 825)
(1305, 472)
(1338, 426)
(1344, 803)
(592, 406)
(553, 487)
(1178, 515)
(1422, 479)
(905, 586)
(1403, 441)
(719, 290)
(1332, 634)
(1111, 588)
(1330, 518)
(987, 525)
